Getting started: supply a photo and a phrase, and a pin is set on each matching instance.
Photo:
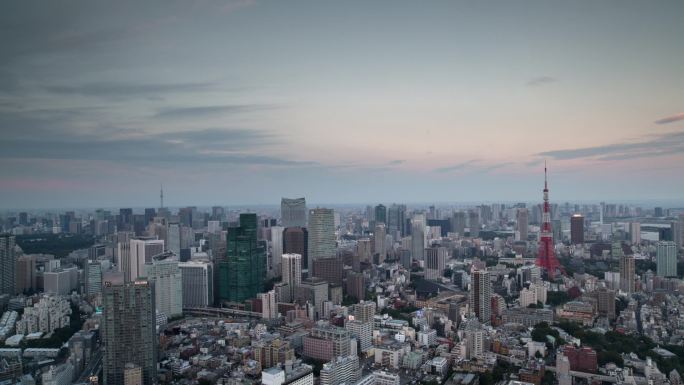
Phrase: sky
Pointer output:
(246, 101)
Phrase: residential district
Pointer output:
(515, 293)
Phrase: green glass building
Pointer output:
(242, 273)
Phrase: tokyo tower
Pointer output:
(546, 258)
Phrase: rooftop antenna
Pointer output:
(161, 195)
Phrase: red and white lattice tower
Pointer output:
(546, 258)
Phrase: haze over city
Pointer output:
(245, 101)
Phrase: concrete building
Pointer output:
(577, 229)
(163, 270)
(293, 212)
(435, 262)
(128, 329)
(59, 375)
(326, 342)
(666, 259)
(314, 290)
(197, 283)
(341, 370)
(140, 251)
(522, 224)
(26, 273)
(291, 273)
(627, 272)
(379, 236)
(635, 232)
(269, 309)
(322, 240)
(93, 278)
(276, 250)
(418, 237)
(480, 296)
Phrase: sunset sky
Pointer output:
(245, 101)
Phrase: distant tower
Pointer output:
(546, 258)
(161, 196)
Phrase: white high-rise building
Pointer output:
(174, 237)
(666, 259)
(292, 273)
(635, 232)
(269, 308)
(276, 249)
(322, 241)
(418, 237)
(140, 251)
(93, 277)
(168, 285)
(214, 227)
(198, 283)
(528, 297)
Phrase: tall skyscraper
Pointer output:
(292, 272)
(474, 223)
(522, 223)
(243, 272)
(679, 236)
(140, 251)
(546, 256)
(396, 221)
(627, 271)
(168, 283)
(635, 232)
(418, 237)
(296, 241)
(198, 283)
(363, 249)
(458, 224)
(293, 212)
(8, 264)
(93, 277)
(276, 249)
(379, 238)
(380, 214)
(480, 296)
(322, 242)
(577, 229)
(666, 259)
(174, 237)
(128, 329)
(26, 273)
(435, 262)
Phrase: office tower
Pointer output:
(140, 251)
(60, 281)
(364, 250)
(666, 259)
(380, 214)
(418, 237)
(435, 262)
(326, 342)
(340, 371)
(93, 278)
(125, 220)
(605, 303)
(364, 311)
(679, 235)
(276, 248)
(8, 265)
(243, 272)
(174, 238)
(356, 285)
(658, 212)
(163, 270)
(315, 291)
(296, 241)
(396, 221)
(293, 212)
(627, 271)
(329, 269)
(185, 216)
(474, 223)
(380, 239)
(458, 224)
(635, 232)
(268, 305)
(322, 242)
(480, 296)
(546, 256)
(557, 231)
(128, 329)
(198, 283)
(132, 374)
(577, 229)
(213, 227)
(292, 273)
(522, 223)
(26, 273)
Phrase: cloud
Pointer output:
(541, 81)
(671, 119)
(666, 144)
(194, 112)
(458, 166)
(127, 90)
(397, 162)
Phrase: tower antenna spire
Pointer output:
(161, 196)
(545, 184)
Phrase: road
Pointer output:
(93, 369)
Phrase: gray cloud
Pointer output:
(666, 144)
(671, 119)
(193, 112)
(397, 162)
(123, 90)
(541, 81)
(456, 167)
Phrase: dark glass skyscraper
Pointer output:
(243, 272)
(128, 329)
(380, 214)
(8, 265)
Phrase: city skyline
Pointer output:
(242, 102)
